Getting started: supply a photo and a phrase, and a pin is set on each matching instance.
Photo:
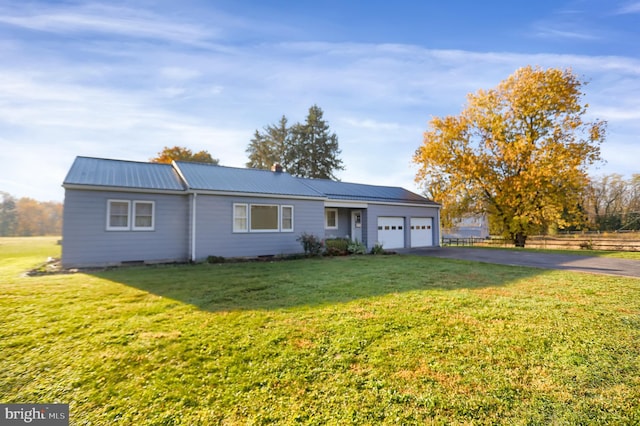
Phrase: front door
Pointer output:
(356, 225)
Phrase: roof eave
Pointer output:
(108, 188)
(255, 194)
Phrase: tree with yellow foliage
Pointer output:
(519, 152)
(179, 153)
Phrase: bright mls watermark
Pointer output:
(34, 414)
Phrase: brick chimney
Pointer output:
(277, 168)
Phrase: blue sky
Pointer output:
(123, 79)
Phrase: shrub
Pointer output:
(336, 247)
(377, 249)
(356, 247)
(311, 244)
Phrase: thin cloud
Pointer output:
(371, 124)
(377, 97)
(97, 18)
(179, 73)
(554, 33)
(617, 114)
(629, 8)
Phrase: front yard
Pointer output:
(352, 340)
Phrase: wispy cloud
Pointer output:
(131, 81)
(556, 33)
(629, 8)
(179, 73)
(100, 18)
(370, 124)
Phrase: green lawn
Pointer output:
(633, 255)
(353, 340)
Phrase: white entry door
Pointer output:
(421, 232)
(391, 232)
(356, 225)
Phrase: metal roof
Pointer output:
(361, 192)
(124, 174)
(182, 176)
(209, 177)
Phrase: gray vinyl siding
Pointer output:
(86, 241)
(214, 227)
(370, 223)
(344, 224)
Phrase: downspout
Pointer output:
(439, 226)
(193, 226)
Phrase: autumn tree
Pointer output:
(605, 202)
(179, 153)
(633, 216)
(28, 217)
(306, 149)
(269, 146)
(612, 203)
(518, 152)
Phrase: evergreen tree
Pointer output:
(268, 147)
(307, 150)
(313, 152)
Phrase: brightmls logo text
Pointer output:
(34, 414)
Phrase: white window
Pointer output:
(286, 219)
(143, 215)
(331, 218)
(240, 218)
(118, 215)
(264, 217)
(121, 216)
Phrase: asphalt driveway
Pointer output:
(594, 265)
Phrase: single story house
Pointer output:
(124, 211)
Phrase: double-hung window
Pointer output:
(331, 218)
(143, 215)
(126, 215)
(240, 218)
(118, 215)
(286, 218)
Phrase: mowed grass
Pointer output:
(353, 340)
(617, 254)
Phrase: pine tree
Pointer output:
(307, 150)
(268, 147)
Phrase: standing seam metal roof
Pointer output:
(125, 174)
(208, 177)
(362, 192)
(182, 176)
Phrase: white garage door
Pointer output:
(421, 231)
(391, 232)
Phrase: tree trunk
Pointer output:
(519, 239)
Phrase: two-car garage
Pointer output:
(391, 231)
